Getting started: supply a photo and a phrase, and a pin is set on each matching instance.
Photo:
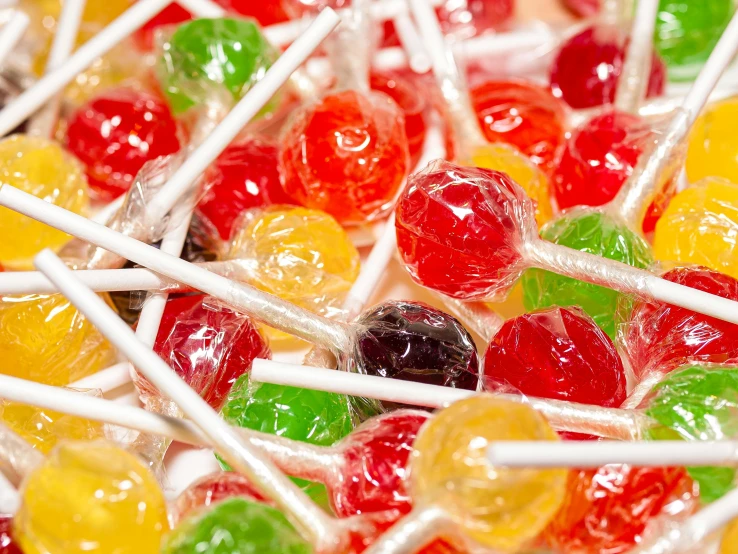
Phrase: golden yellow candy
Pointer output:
(700, 226)
(505, 158)
(500, 508)
(729, 543)
(45, 339)
(298, 254)
(91, 497)
(42, 168)
(43, 428)
(713, 145)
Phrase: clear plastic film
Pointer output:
(349, 48)
(476, 316)
(17, 458)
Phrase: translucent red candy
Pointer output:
(7, 544)
(586, 70)
(116, 133)
(524, 115)
(266, 13)
(608, 509)
(373, 475)
(557, 353)
(171, 15)
(460, 230)
(346, 155)
(245, 176)
(208, 345)
(412, 103)
(661, 337)
(599, 157)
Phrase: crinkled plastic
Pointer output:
(699, 227)
(412, 341)
(609, 509)
(298, 254)
(659, 337)
(698, 403)
(17, 457)
(236, 525)
(595, 232)
(43, 428)
(93, 497)
(45, 339)
(713, 149)
(212, 60)
(557, 353)
(211, 489)
(40, 167)
(207, 344)
(347, 154)
(586, 70)
(499, 508)
(116, 133)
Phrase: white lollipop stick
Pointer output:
(411, 43)
(106, 379)
(49, 85)
(42, 124)
(203, 9)
(586, 454)
(317, 527)
(12, 32)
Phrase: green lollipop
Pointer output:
(597, 233)
(315, 417)
(236, 525)
(207, 54)
(698, 403)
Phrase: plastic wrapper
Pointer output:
(658, 337)
(414, 342)
(116, 133)
(17, 457)
(697, 403)
(45, 339)
(93, 497)
(40, 167)
(43, 428)
(212, 60)
(238, 525)
(699, 227)
(610, 509)
(712, 150)
(298, 254)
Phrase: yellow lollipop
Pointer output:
(713, 148)
(298, 254)
(40, 167)
(729, 543)
(501, 509)
(90, 497)
(700, 226)
(45, 339)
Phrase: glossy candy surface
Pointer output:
(213, 58)
(608, 509)
(210, 490)
(415, 342)
(7, 543)
(40, 167)
(586, 70)
(699, 227)
(245, 176)
(266, 13)
(713, 149)
(116, 133)
(91, 497)
(698, 403)
(596, 233)
(499, 508)
(172, 14)
(236, 525)
(661, 337)
(45, 339)
(347, 155)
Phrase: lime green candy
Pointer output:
(687, 31)
(315, 417)
(596, 233)
(698, 403)
(207, 53)
(236, 525)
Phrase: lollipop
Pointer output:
(711, 150)
(7, 543)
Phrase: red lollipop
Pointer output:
(586, 70)
(208, 345)
(245, 176)
(171, 15)
(660, 337)
(525, 115)
(7, 544)
(115, 134)
(266, 13)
